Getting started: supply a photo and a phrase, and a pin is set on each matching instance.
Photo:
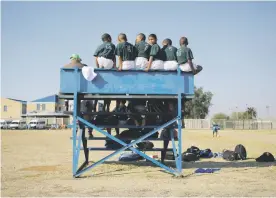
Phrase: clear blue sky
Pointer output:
(234, 41)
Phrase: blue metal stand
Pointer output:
(145, 85)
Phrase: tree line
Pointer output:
(198, 108)
(249, 114)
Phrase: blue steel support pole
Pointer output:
(75, 121)
(126, 146)
(179, 159)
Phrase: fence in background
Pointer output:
(257, 124)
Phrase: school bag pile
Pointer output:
(239, 153)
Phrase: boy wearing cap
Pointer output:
(156, 55)
(185, 57)
(126, 53)
(75, 62)
(170, 59)
(143, 52)
(105, 53)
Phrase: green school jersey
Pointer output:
(170, 53)
(106, 50)
(184, 54)
(143, 49)
(127, 51)
(156, 52)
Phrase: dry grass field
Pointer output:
(38, 163)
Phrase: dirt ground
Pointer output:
(39, 163)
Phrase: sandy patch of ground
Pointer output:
(38, 163)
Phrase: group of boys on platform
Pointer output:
(142, 56)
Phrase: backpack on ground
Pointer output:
(127, 157)
(126, 134)
(241, 152)
(189, 157)
(145, 145)
(169, 155)
(207, 153)
(194, 150)
(229, 155)
(265, 157)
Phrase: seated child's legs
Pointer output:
(157, 65)
(170, 65)
(107, 105)
(128, 65)
(141, 63)
(105, 63)
(186, 67)
(95, 105)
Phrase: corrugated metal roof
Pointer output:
(52, 98)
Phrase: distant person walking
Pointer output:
(215, 130)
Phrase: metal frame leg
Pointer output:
(126, 146)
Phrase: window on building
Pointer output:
(24, 109)
(43, 107)
(38, 107)
(59, 108)
(5, 108)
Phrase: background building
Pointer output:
(49, 108)
(12, 109)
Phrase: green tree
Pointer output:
(238, 116)
(251, 113)
(220, 116)
(199, 106)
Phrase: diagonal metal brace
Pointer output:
(126, 146)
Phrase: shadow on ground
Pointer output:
(201, 164)
(186, 165)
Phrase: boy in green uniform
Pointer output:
(143, 52)
(126, 53)
(156, 58)
(105, 53)
(170, 62)
(185, 57)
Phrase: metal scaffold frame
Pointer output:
(79, 140)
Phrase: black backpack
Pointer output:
(265, 157)
(145, 145)
(241, 152)
(194, 150)
(229, 155)
(169, 155)
(189, 157)
(206, 153)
